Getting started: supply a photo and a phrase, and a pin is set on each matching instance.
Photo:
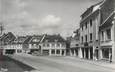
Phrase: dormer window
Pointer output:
(46, 40)
(35, 40)
(56, 40)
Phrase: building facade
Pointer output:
(107, 30)
(89, 36)
(53, 45)
(74, 43)
(34, 44)
(5, 43)
(97, 31)
(18, 43)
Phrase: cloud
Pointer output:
(50, 20)
(40, 16)
(20, 3)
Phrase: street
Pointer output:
(59, 64)
(9, 65)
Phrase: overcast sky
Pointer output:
(24, 17)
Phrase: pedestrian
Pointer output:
(110, 58)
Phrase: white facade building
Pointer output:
(53, 45)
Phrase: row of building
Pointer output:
(52, 45)
(95, 38)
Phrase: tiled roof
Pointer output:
(7, 38)
(2, 36)
(106, 9)
(90, 9)
(27, 39)
(19, 40)
(53, 38)
(36, 39)
(108, 21)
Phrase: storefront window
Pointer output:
(53, 51)
(19, 51)
(58, 51)
(105, 52)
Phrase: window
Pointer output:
(43, 45)
(48, 45)
(102, 36)
(86, 25)
(86, 38)
(82, 27)
(58, 51)
(58, 45)
(108, 31)
(91, 22)
(36, 40)
(90, 36)
(82, 39)
(53, 51)
(62, 44)
(77, 44)
(19, 51)
(53, 45)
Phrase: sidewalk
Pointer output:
(98, 62)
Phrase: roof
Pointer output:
(19, 40)
(53, 38)
(106, 9)
(92, 7)
(108, 21)
(36, 39)
(7, 38)
(27, 39)
(95, 9)
(2, 36)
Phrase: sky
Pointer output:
(27, 17)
